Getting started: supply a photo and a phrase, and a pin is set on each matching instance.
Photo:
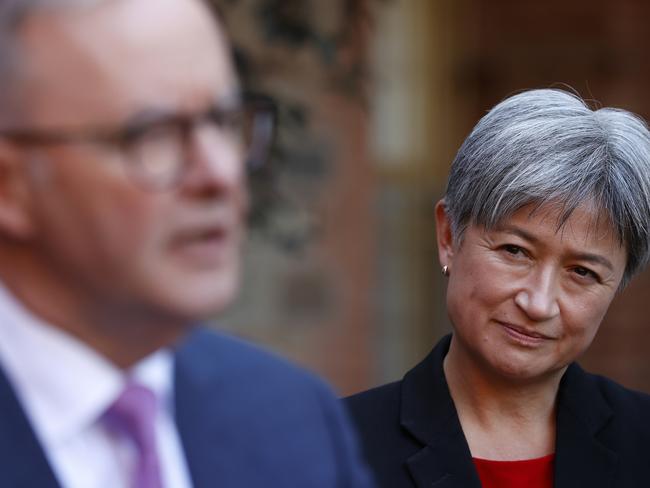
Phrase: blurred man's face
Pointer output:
(121, 246)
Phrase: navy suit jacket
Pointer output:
(245, 418)
(413, 438)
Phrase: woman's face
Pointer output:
(526, 298)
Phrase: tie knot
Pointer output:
(133, 414)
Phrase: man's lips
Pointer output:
(217, 225)
(205, 245)
(201, 234)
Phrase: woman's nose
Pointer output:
(538, 298)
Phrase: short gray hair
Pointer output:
(548, 146)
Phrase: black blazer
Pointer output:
(412, 436)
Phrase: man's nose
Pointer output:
(538, 297)
(215, 160)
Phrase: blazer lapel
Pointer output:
(443, 467)
(580, 458)
(194, 391)
(24, 464)
(429, 414)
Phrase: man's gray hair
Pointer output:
(548, 146)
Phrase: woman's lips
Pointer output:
(524, 336)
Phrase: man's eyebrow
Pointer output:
(581, 256)
(148, 115)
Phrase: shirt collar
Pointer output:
(64, 384)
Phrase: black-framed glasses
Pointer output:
(156, 149)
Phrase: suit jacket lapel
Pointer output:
(24, 464)
(194, 407)
(428, 413)
(580, 458)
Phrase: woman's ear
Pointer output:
(15, 217)
(444, 235)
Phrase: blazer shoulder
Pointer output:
(626, 430)
(632, 404)
(376, 403)
(234, 372)
(376, 415)
(264, 409)
(211, 355)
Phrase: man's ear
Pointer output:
(15, 216)
(444, 235)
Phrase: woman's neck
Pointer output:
(502, 419)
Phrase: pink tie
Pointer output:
(133, 415)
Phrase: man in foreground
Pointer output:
(122, 201)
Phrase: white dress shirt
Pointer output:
(65, 387)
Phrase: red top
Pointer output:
(529, 473)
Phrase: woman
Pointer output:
(546, 217)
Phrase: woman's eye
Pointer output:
(584, 272)
(512, 249)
